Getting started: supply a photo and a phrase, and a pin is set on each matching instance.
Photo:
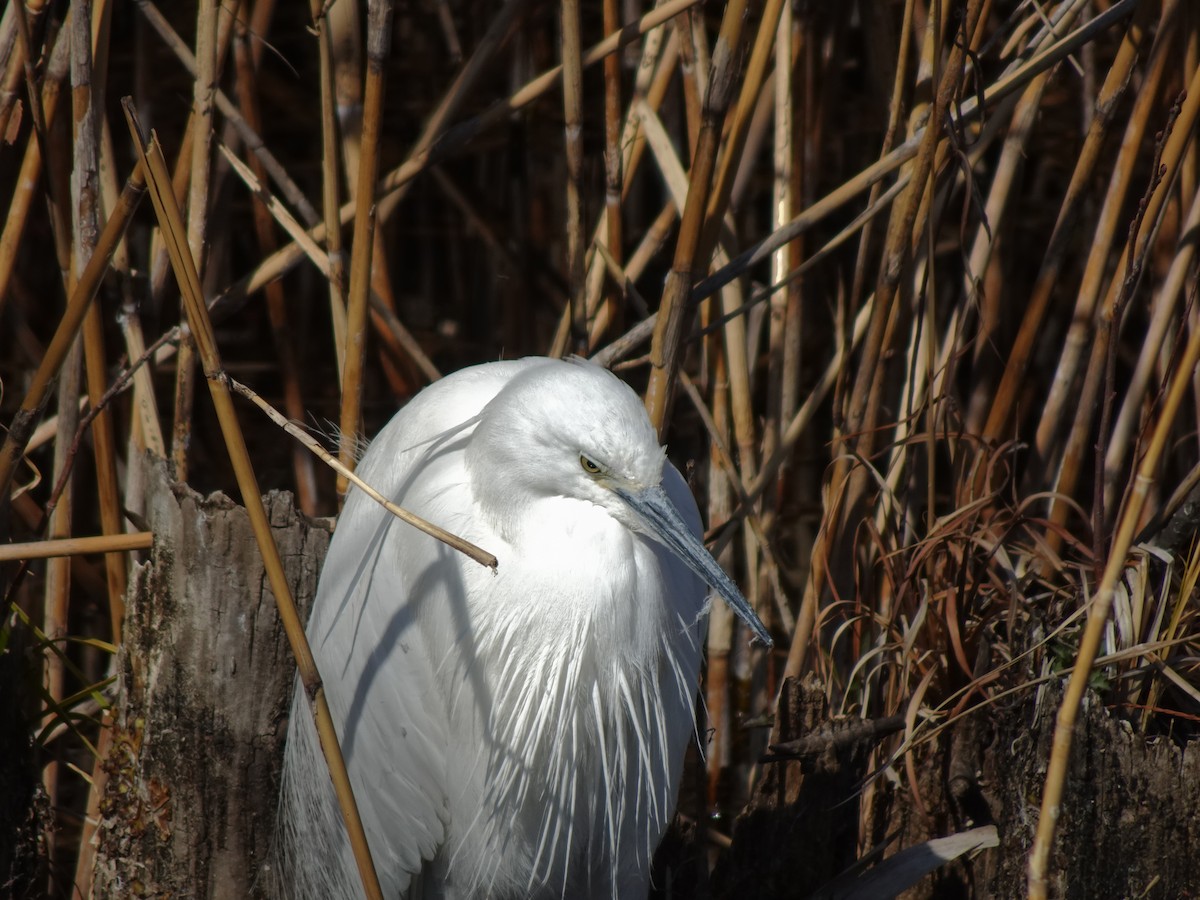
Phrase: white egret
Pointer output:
(517, 733)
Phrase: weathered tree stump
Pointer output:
(201, 711)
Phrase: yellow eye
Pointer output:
(588, 466)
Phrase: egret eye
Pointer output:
(590, 467)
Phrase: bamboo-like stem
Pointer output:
(572, 66)
(674, 305)
(751, 87)
(13, 50)
(737, 358)
(160, 265)
(77, 546)
(379, 41)
(1014, 79)
(145, 435)
(396, 330)
(171, 224)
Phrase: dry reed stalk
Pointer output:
(396, 332)
(1098, 613)
(737, 358)
(146, 431)
(787, 168)
(277, 312)
(379, 40)
(866, 396)
(674, 306)
(815, 582)
(171, 223)
(38, 392)
(330, 181)
(450, 142)
(383, 310)
(650, 86)
(572, 81)
(77, 546)
(160, 266)
(612, 166)
(56, 599)
(85, 189)
(226, 107)
(1000, 199)
(13, 58)
(1164, 316)
(1062, 394)
(1106, 105)
(85, 863)
(32, 163)
(1109, 314)
(1018, 75)
(344, 21)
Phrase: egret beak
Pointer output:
(663, 523)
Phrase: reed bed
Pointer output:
(909, 287)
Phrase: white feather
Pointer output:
(517, 734)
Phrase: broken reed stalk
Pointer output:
(171, 223)
(308, 441)
(674, 306)
(379, 40)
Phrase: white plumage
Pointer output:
(518, 733)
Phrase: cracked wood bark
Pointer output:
(201, 708)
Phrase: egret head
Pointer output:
(575, 430)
